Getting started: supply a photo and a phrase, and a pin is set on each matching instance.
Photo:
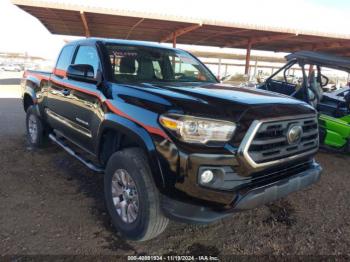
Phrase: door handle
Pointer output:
(66, 92)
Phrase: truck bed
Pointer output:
(37, 74)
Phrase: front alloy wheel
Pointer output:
(132, 197)
(125, 196)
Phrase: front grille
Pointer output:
(270, 142)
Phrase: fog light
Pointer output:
(207, 176)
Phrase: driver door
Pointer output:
(81, 107)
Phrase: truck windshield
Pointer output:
(147, 64)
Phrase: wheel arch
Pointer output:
(27, 101)
(30, 86)
(136, 135)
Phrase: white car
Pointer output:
(12, 68)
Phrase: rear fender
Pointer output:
(29, 90)
(33, 81)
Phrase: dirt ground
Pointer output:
(51, 204)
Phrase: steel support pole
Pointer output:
(219, 68)
(247, 58)
(255, 66)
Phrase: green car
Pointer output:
(313, 77)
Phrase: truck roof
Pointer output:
(120, 41)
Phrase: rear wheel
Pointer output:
(131, 196)
(36, 135)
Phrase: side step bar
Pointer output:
(76, 155)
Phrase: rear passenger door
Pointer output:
(82, 109)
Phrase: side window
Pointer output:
(64, 60)
(87, 55)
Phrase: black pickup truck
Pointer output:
(171, 140)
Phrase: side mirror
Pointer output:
(81, 72)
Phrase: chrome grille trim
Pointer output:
(282, 122)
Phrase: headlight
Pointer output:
(198, 130)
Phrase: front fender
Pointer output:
(140, 136)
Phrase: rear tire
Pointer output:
(139, 196)
(347, 146)
(36, 135)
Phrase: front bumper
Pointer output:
(247, 198)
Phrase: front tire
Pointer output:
(36, 135)
(131, 196)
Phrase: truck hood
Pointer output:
(218, 100)
(207, 91)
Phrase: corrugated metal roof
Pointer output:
(80, 20)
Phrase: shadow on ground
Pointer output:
(10, 81)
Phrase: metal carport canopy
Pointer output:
(80, 20)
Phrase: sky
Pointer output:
(20, 32)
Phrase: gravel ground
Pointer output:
(51, 204)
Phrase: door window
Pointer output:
(87, 55)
